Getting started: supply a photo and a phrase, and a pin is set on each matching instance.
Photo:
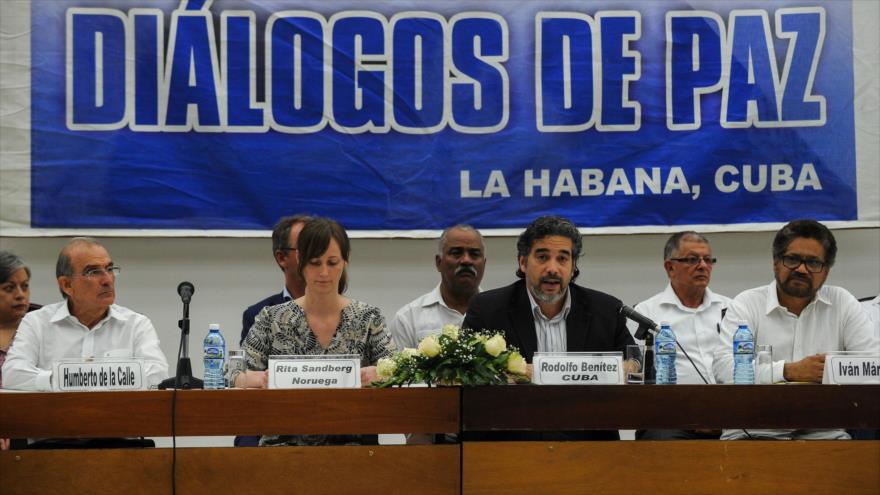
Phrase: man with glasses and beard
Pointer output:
(545, 311)
(461, 260)
(799, 316)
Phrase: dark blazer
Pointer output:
(247, 318)
(593, 323)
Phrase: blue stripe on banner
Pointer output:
(170, 114)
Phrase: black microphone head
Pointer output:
(185, 290)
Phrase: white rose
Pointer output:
(450, 331)
(496, 345)
(429, 346)
(516, 364)
(385, 368)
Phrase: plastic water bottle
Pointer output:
(215, 353)
(664, 355)
(743, 356)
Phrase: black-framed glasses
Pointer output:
(695, 260)
(793, 262)
(100, 272)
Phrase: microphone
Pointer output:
(185, 290)
(644, 322)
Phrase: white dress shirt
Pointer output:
(872, 307)
(424, 316)
(551, 332)
(696, 329)
(52, 333)
(832, 321)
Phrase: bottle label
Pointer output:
(213, 352)
(665, 347)
(744, 347)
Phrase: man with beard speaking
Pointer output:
(798, 316)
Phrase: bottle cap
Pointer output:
(664, 323)
(214, 326)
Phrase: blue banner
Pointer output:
(193, 114)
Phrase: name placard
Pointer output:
(79, 375)
(578, 368)
(338, 371)
(852, 368)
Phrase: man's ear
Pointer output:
(65, 285)
(279, 259)
(437, 260)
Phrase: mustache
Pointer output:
(551, 278)
(466, 268)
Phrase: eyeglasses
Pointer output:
(287, 249)
(100, 272)
(793, 262)
(695, 260)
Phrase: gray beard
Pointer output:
(548, 298)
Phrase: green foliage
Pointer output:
(462, 360)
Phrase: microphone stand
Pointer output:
(646, 333)
(183, 378)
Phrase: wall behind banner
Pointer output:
(231, 274)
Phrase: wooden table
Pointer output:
(347, 469)
(677, 467)
(681, 467)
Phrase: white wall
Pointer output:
(231, 273)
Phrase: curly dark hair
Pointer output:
(546, 226)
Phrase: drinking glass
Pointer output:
(764, 364)
(236, 365)
(635, 364)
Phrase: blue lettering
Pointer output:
(96, 69)
(295, 73)
(693, 58)
(239, 74)
(619, 66)
(358, 89)
(806, 29)
(749, 96)
(193, 77)
(566, 77)
(418, 73)
(480, 82)
(148, 45)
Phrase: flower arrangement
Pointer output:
(454, 356)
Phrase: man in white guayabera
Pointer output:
(85, 324)
(799, 316)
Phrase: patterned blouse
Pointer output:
(283, 330)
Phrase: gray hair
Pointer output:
(9, 264)
(674, 242)
(461, 226)
(64, 266)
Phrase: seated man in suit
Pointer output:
(545, 311)
(284, 237)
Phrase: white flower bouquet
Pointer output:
(455, 356)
